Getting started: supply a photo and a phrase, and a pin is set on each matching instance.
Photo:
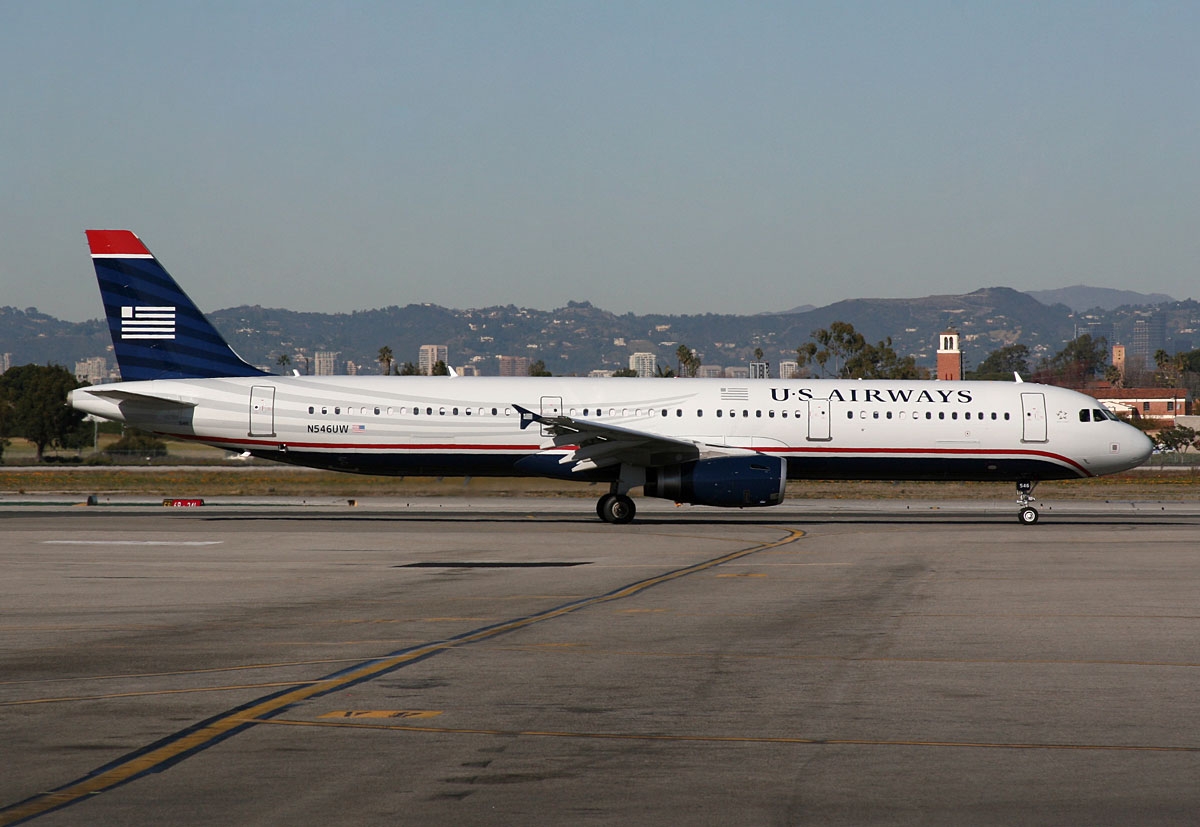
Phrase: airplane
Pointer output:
(714, 442)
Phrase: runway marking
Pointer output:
(732, 739)
(174, 748)
(743, 574)
(132, 542)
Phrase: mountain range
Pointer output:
(581, 337)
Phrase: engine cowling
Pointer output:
(727, 482)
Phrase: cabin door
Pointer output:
(551, 406)
(1033, 417)
(818, 420)
(262, 410)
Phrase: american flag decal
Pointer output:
(147, 322)
(735, 394)
(358, 429)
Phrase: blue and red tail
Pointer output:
(157, 332)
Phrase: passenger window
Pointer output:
(993, 414)
(494, 411)
(720, 413)
(310, 409)
(954, 414)
(967, 415)
(429, 411)
(849, 414)
(390, 411)
(324, 410)
(454, 411)
(699, 412)
(875, 414)
(377, 411)
(929, 415)
(941, 414)
(337, 411)
(889, 414)
(770, 414)
(679, 411)
(1006, 416)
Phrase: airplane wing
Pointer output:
(596, 445)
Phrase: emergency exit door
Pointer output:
(1033, 417)
(262, 410)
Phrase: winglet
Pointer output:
(528, 417)
(1017, 378)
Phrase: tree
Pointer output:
(283, 361)
(409, 369)
(538, 368)
(664, 372)
(854, 358)
(439, 369)
(37, 406)
(1170, 369)
(1076, 364)
(1176, 438)
(137, 443)
(625, 372)
(1003, 363)
(689, 361)
(385, 359)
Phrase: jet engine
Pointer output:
(729, 482)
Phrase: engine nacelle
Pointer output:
(729, 482)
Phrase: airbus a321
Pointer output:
(714, 442)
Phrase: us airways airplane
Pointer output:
(715, 442)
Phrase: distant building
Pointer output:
(600, 374)
(468, 370)
(1118, 360)
(1161, 405)
(5, 362)
(351, 368)
(737, 373)
(94, 371)
(430, 356)
(760, 370)
(949, 357)
(325, 362)
(646, 364)
(789, 370)
(514, 365)
(710, 372)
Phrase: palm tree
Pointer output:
(283, 361)
(385, 359)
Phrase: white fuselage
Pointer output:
(468, 425)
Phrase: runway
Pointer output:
(520, 662)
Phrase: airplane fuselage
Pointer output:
(826, 429)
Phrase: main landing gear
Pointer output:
(615, 508)
(1027, 515)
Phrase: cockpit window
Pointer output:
(1101, 414)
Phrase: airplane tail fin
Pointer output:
(157, 332)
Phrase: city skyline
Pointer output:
(652, 157)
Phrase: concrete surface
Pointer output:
(519, 662)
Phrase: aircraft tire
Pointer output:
(1028, 515)
(617, 509)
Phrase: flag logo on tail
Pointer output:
(147, 322)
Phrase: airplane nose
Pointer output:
(1141, 446)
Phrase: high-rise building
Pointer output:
(789, 370)
(430, 356)
(949, 357)
(514, 365)
(325, 362)
(760, 370)
(5, 362)
(710, 372)
(646, 364)
(94, 371)
(351, 368)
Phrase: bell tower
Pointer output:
(949, 357)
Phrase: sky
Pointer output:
(666, 157)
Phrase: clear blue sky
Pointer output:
(658, 156)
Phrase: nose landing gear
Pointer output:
(1027, 515)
